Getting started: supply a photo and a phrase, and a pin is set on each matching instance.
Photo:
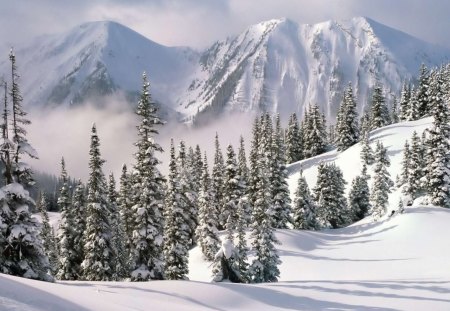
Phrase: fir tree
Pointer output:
(305, 217)
(254, 162)
(79, 225)
(47, 235)
(67, 269)
(241, 245)
(359, 196)
(406, 163)
(217, 185)
(422, 94)
(382, 182)
(347, 128)
(125, 208)
(232, 191)
(176, 231)
(207, 229)
(278, 177)
(395, 112)
(413, 113)
(315, 136)
(98, 252)
(366, 150)
(415, 168)
(294, 143)
(243, 172)
(379, 110)
(405, 103)
(148, 195)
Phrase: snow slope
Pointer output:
(399, 263)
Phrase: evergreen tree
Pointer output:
(359, 196)
(278, 177)
(415, 167)
(126, 208)
(413, 113)
(381, 182)
(207, 229)
(78, 209)
(243, 172)
(47, 235)
(404, 104)
(422, 94)
(315, 136)
(98, 252)
(347, 128)
(395, 112)
(254, 162)
(241, 245)
(332, 207)
(438, 147)
(379, 110)
(67, 269)
(366, 150)
(232, 191)
(305, 217)
(148, 195)
(406, 163)
(217, 186)
(294, 143)
(176, 230)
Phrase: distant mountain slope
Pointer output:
(96, 59)
(281, 66)
(278, 66)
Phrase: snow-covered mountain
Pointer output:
(96, 59)
(277, 65)
(281, 66)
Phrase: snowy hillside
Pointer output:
(281, 66)
(277, 65)
(399, 263)
(96, 59)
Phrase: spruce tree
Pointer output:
(406, 162)
(294, 143)
(207, 228)
(413, 112)
(98, 253)
(124, 202)
(359, 196)
(366, 151)
(67, 269)
(148, 194)
(423, 93)
(413, 185)
(382, 182)
(305, 217)
(278, 180)
(47, 235)
(243, 172)
(233, 191)
(315, 136)
(176, 230)
(395, 112)
(217, 186)
(254, 162)
(347, 128)
(241, 245)
(379, 111)
(79, 225)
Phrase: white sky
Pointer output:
(198, 23)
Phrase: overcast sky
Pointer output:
(198, 23)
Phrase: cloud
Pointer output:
(198, 23)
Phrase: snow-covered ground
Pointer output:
(400, 263)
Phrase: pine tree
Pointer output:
(176, 230)
(413, 113)
(366, 150)
(207, 229)
(395, 112)
(21, 246)
(381, 182)
(359, 196)
(278, 177)
(47, 235)
(406, 162)
(332, 207)
(379, 111)
(294, 143)
(124, 202)
(243, 171)
(404, 104)
(67, 269)
(305, 217)
(347, 128)
(422, 94)
(79, 225)
(148, 195)
(415, 167)
(315, 136)
(241, 245)
(232, 191)
(438, 161)
(217, 186)
(254, 162)
(98, 252)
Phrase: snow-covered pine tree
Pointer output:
(395, 112)
(176, 230)
(404, 104)
(217, 185)
(413, 186)
(206, 231)
(264, 267)
(125, 208)
(406, 162)
(438, 159)
(359, 196)
(148, 194)
(347, 128)
(413, 113)
(22, 251)
(304, 209)
(47, 235)
(294, 143)
(187, 193)
(98, 253)
(118, 238)
(243, 171)
(254, 161)
(332, 207)
(197, 164)
(382, 182)
(379, 111)
(79, 225)
(241, 245)
(315, 134)
(366, 151)
(67, 268)
(278, 180)
(422, 93)
(232, 192)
